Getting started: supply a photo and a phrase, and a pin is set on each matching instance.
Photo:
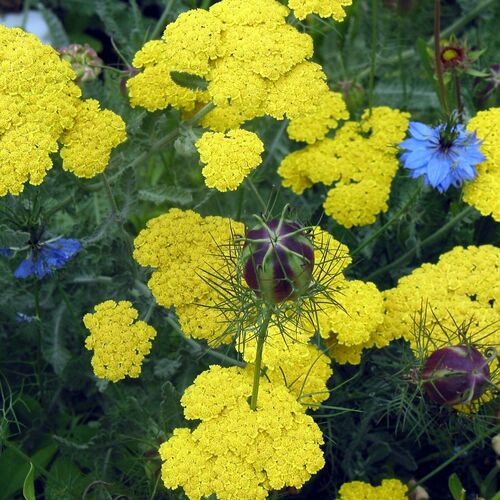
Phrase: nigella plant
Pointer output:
(278, 276)
(44, 256)
(444, 155)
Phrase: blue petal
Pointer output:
(411, 144)
(57, 253)
(417, 158)
(421, 131)
(437, 170)
(68, 247)
(25, 268)
(5, 252)
(42, 267)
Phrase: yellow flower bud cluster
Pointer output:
(483, 191)
(462, 288)
(181, 246)
(40, 106)
(254, 63)
(236, 452)
(360, 162)
(324, 8)
(119, 342)
(229, 157)
(390, 489)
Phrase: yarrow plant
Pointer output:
(214, 273)
(40, 107)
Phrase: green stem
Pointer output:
(261, 339)
(454, 457)
(39, 333)
(158, 145)
(60, 205)
(40, 469)
(373, 53)
(402, 67)
(437, 58)
(377, 233)
(161, 23)
(261, 201)
(116, 211)
(457, 25)
(196, 346)
(458, 95)
(69, 307)
(428, 241)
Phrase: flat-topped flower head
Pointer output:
(444, 155)
(237, 452)
(119, 342)
(40, 108)
(389, 489)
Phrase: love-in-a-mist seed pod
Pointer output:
(455, 375)
(278, 260)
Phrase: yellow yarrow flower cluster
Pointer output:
(483, 191)
(324, 8)
(354, 327)
(236, 452)
(87, 145)
(389, 489)
(119, 342)
(229, 157)
(181, 246)
(462, 288)
(291, 361)
(255, 65)
(39, 106)
(360, 161)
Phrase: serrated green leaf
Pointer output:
(188, 80)
(171, 412)
(425, 58)
(29, 484)
(12, 238)
(456, 489)
(53, 349)
(57, 31)
(475, 72)
(170, 194)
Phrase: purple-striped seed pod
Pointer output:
(278, 260)
(455, 375)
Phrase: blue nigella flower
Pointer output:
(24, 318)
(443, 155)
(46, 256)
(5, 252)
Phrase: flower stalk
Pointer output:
(437, 57)
(261, 339)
